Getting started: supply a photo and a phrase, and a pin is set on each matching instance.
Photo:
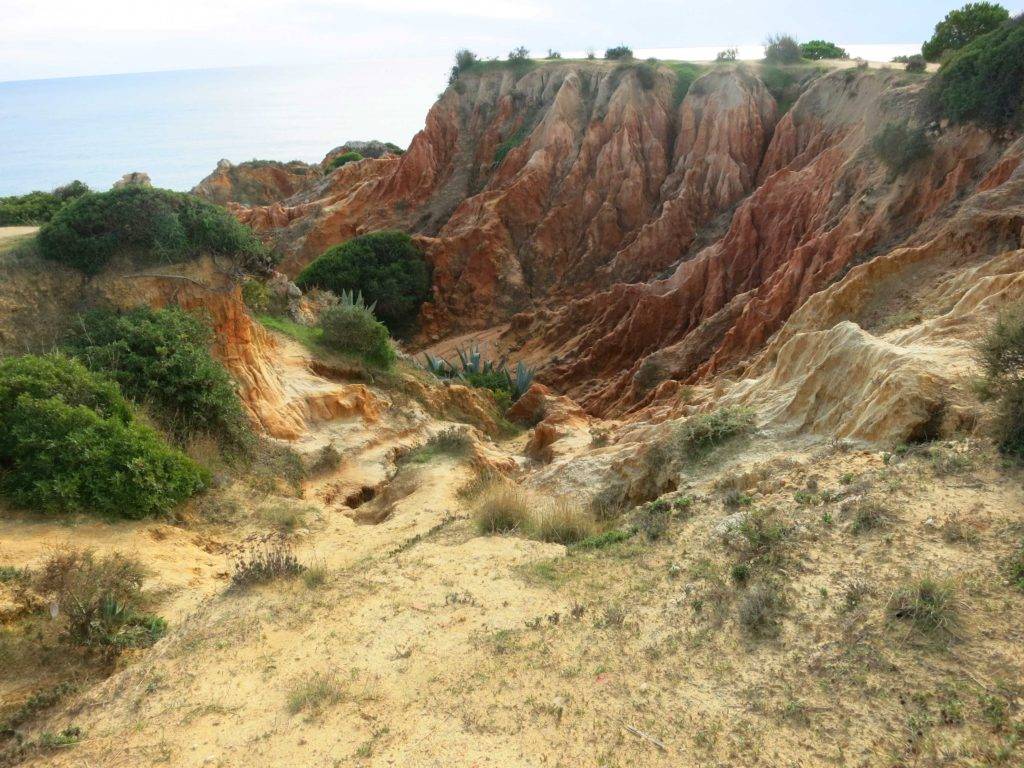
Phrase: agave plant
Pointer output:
(355, 299)
(522, 380)
(439, 366)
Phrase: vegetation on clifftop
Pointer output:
(38, 207)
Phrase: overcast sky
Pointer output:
(56, 38)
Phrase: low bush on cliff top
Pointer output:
(619, 52)
(984, 81)
(781, 49)
(816, 50)
(148, 225)
(69, 443)
(344, 159)
(354, 330)
(1002, 360)
(961, 26)
(899, 146)
(386, 267)
(161, 358)
(38, 207)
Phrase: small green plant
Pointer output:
(256, 296)
(928, 605)
(701, 434)
(868, 515)
(761, 536)
(519, 54)
(602, 540)
(916, 63)
(816, 50)
(313, 693)
(464, 60)
(1015, 567)
(477, 371)
(354, 330)
(344, 159)
(65, 738)
(386, 267)
(899, 147)
(451, 441)
(619, 52)
(781, 49)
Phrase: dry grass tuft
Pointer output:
(565, 521)
(928, 605)
(502, 508)
(313, 693)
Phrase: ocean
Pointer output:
(175, 126)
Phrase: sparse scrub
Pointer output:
(99, 598)
(701, 434)
(263, 560)
(148, 225)
(464, 60)
(313, 693)
(761, 538)
(781, 49)
(868, 515)
(916, 63)
(450, 441)
(759, 609)
(729, 54)
(956, 530)
(1001, 355)
(928, 605)
(519, 54)
(282, 516)
(602, 540)
(1015, 567)
(256, 296)
(327, 460)
(502, 508)
(899, 147)
(385, 267)
(275, 464)
(619, 52)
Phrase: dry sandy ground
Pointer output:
(428, 645)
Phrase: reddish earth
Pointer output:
(627, 238)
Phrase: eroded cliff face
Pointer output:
(626, 240)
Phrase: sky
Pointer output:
(66, 38)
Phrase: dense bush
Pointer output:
(984, 81)
(962, 26)
(354, 330)
(899, 146)
(68, 442)
(464, 59)
(519, 54)
(38, 207)
(916, 63)
(386, 267)
(99, 598)
(150, 225)
(161, 357)
(816, 50)
(1002, 360)
(619, 52)
(344, 159)
(781, 49)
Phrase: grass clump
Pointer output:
(1001, 355)
(149, 226)
(502, 508)
(928, 606)
(264, 560)
(1015, 568)
(564, 522)
(603, 540)
(38, 207)
(354, 330)
(984, 81)
(386, 267)
(313, 693)
(868, 515)
(69, 442)
(701, 434)
(162, 358)
(759, 609)
(451, 441)
(99, 599)
(899, 147)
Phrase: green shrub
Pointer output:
(509, 144)
(354, 330)
(344, 159)
(781, 49)
(161, 357)
(1002, 360)
(701, 434)
(928, 605)
(68, 443)
(619, 52)
(984, 81)
(520, 54)
(256, 296)
(962, 26)
(729, 54)
(464, 59)
(816, 50)
(149, 225)
(916, 63)
(38, 207)
(899, 146)
(386, 267)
